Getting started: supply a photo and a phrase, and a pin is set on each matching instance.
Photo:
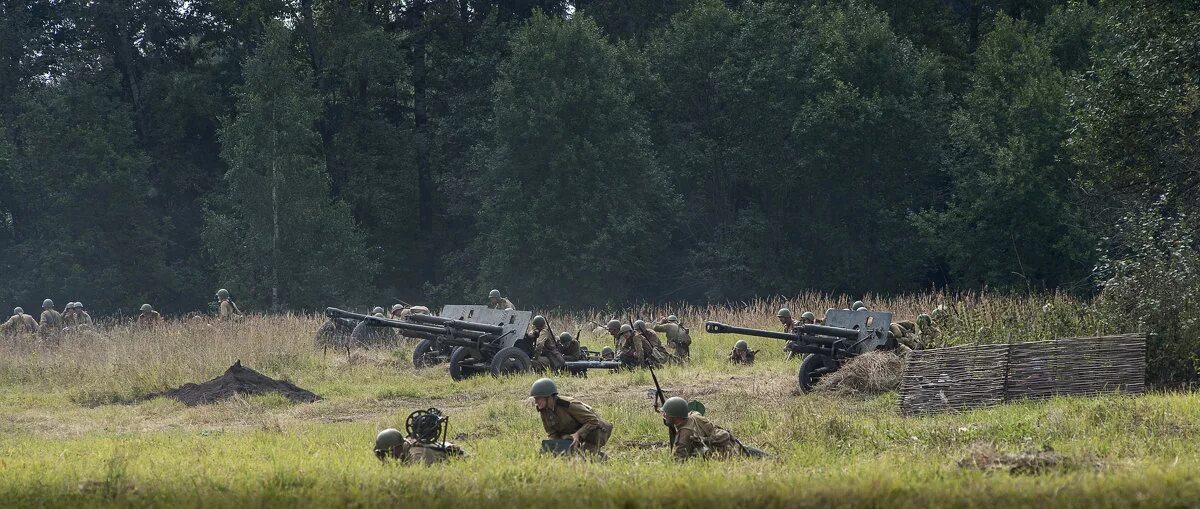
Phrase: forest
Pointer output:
(305, 153)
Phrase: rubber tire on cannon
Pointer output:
(813, 368)
(509, 361)
(426, 354)
(457, 357)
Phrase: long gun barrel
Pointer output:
(804, 333)
(431, 330)
(457, 324)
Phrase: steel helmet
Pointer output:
(146, 307)
(47, 304)
(543, 387)
(675, 407)
(222, 294)
(784, 313)
(494, 294)
(741, 345)
(386, 440)
(539, 321)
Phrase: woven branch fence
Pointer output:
(972, 376)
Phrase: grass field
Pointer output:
(73, 432)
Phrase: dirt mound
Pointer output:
(237, 380)
(986, 457)
(869, 373)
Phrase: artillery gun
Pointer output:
(846, 334)
(473, 339)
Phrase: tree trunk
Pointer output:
(421, 136)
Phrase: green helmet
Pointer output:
(607, 351)
(565, 337)
(784, 313)
(78, 305)
(675, 407)
(672, 318)
(808, 315)
(923, 319)
(543, 387)
(857, 304)
(387, 439)
(539, 321)
(146, 307)
(938, 312)
(494, 294)
(625, 328)
(47, 304)
(741, 345)
(18, 310)
(397, 307)
(639, 325)
(614, 324)
(377, 310)
(222, 294)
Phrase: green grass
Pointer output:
(61, 447)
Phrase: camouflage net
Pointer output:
(870, 373)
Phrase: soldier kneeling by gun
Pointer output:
(741, 353)
(421, 446)
(568, 419)
(696, 436)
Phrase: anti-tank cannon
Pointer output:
(473, 339)
(845, 334)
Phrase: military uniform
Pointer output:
(417, 452)
(568, 416)
(20, 323)
(571, 351)
(51, 321)
(698, 436)
(227, 310)
(677, 337)
(501, 303)
(746, 356)
(654, 345)
(631, 349)
(546, 350)
(149, 318)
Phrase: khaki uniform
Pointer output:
(227, 310)
(18, 324)
(571, 351)
(654, 346)
(83, 318)
(927, 335)
(149, 318)
(677, 338)
(698, 436)
(415, 451)
(631, 349)
(742, 356)
(51, 321)
(501, 303)
(546, 350)
(568, 416)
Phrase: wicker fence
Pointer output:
(965, 377)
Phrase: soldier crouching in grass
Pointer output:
(566, 418)
(421, 446)
(698, 437)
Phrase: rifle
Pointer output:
(659, 399)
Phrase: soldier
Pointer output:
(696, 436)
(631, 349)
(149, 317)
(569, 346)
(785, 318)
(741, 353)
(565, 417)
(82, 318)
(377, 312)
(614, 328)
(653, 343)
(808, 318)
(421, 446)
(607, 354)
(68, 315)
(51, 320)
(545, 346)
(905, 332)
(226, 309)
(857, 304)
(397, 312)
(19, 322)
(495, 301)
(927, 332)
(678, 337)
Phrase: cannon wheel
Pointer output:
(811, 370)
(510, 360)
(462, 363)
(426, 354)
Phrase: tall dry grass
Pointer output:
(121, 362)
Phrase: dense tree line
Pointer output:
(582, 153)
